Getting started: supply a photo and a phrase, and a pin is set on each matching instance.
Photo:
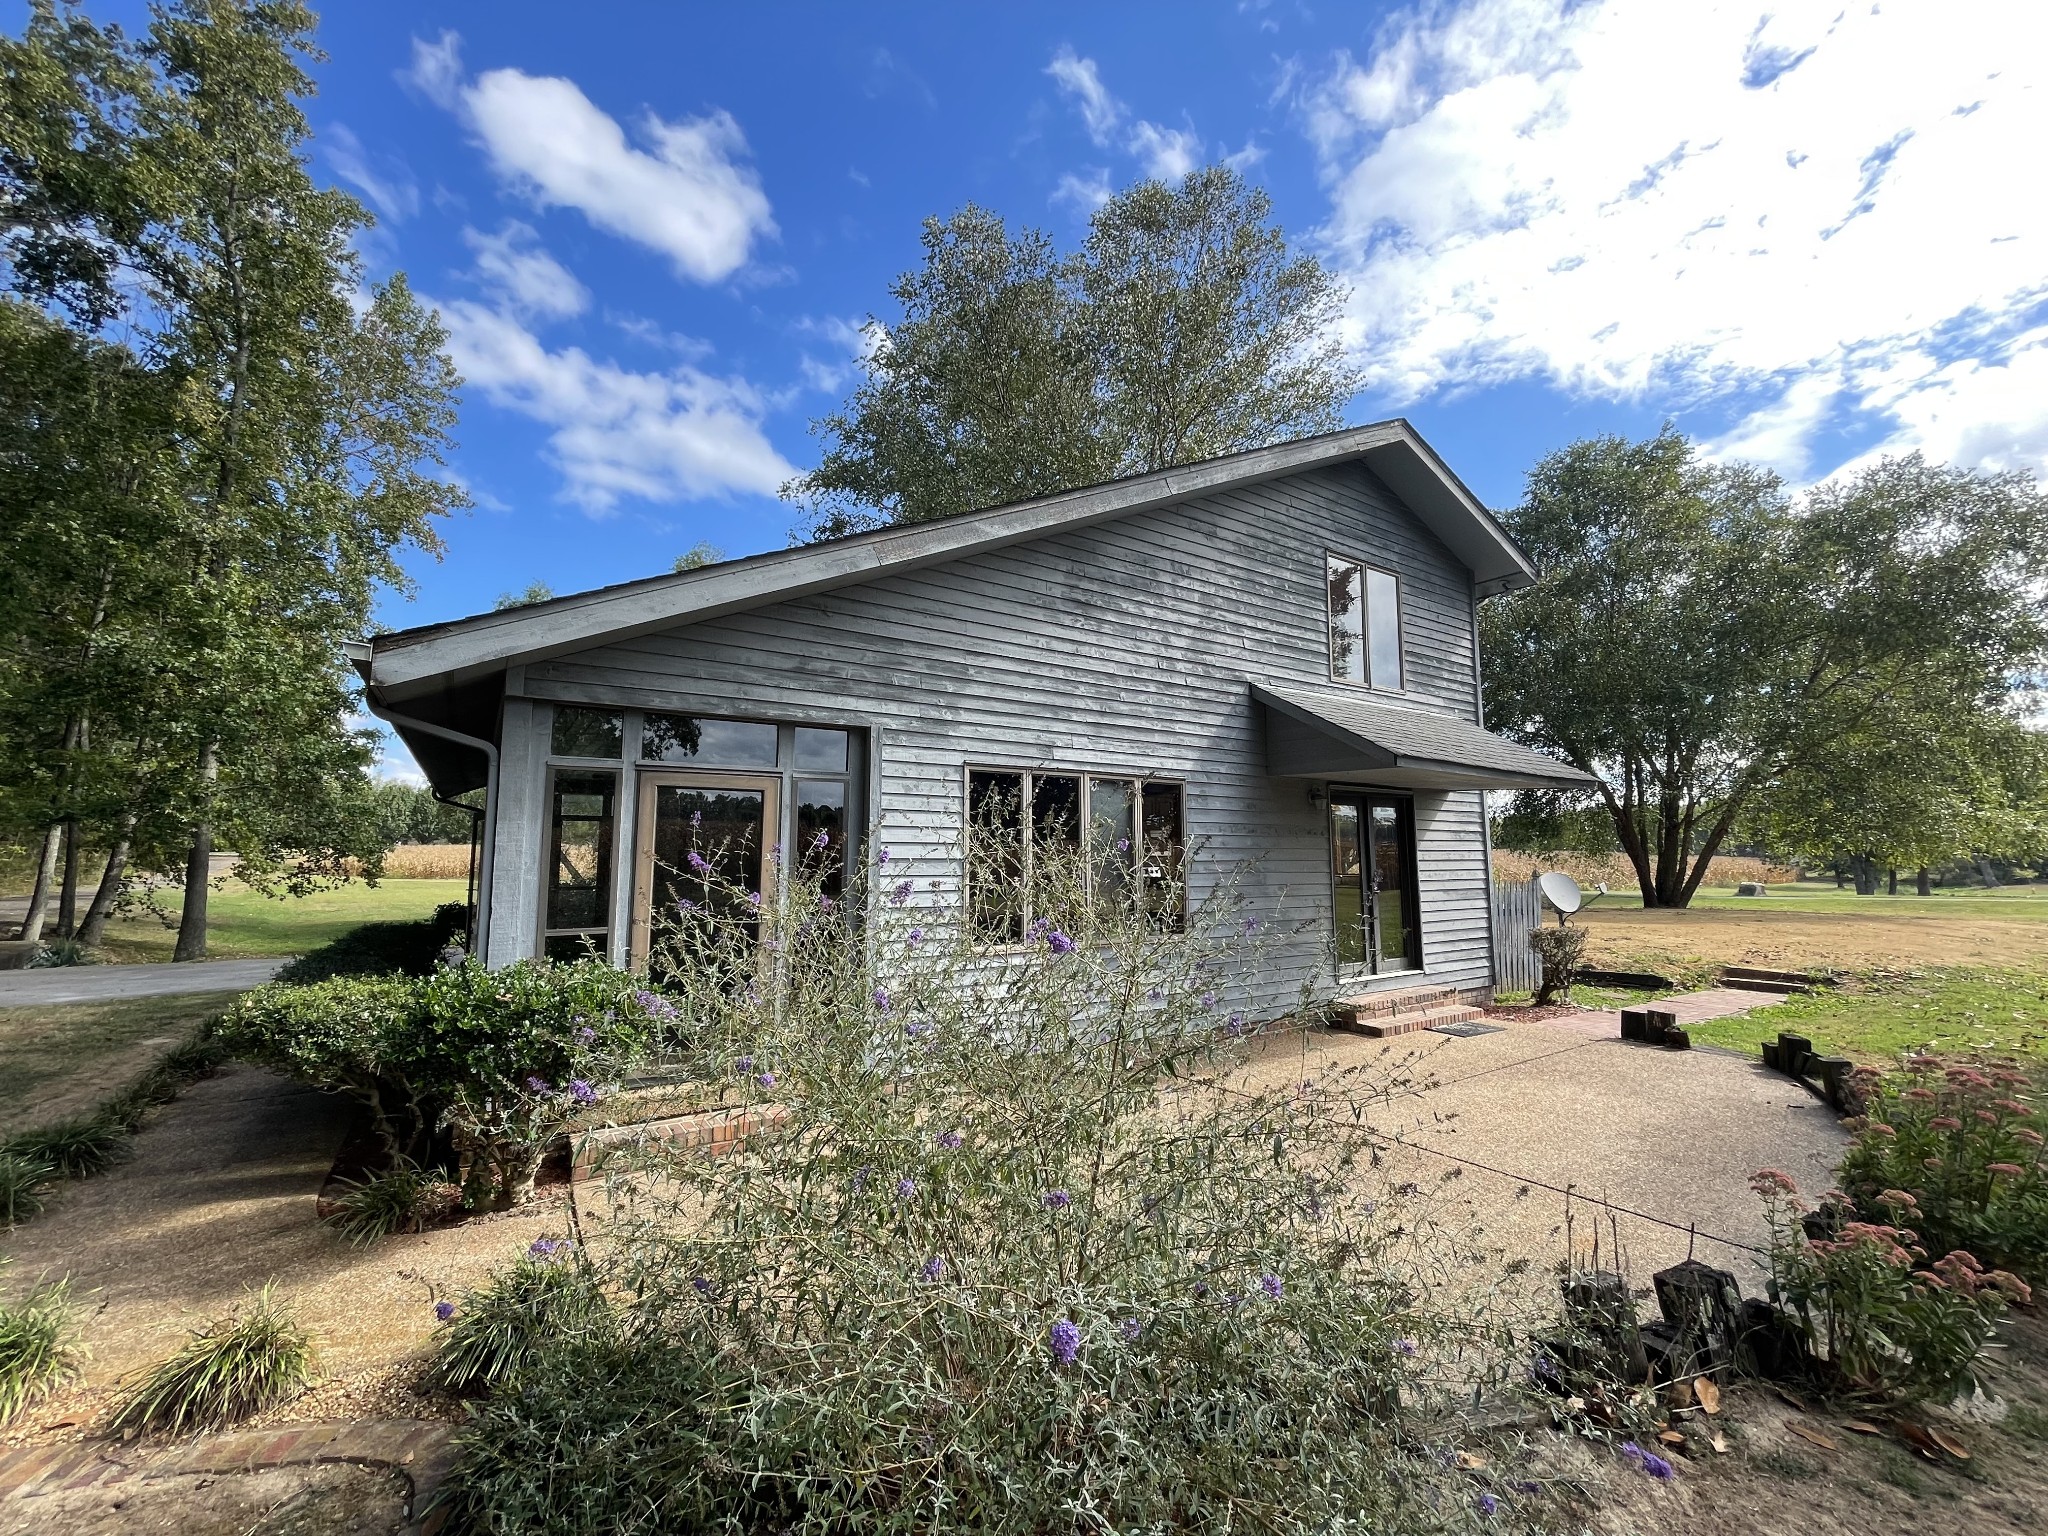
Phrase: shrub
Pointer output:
(502, 1059)
(74, 1148)
(59, 952)
(1021, 1244)
(1562, 949)
(24, 1186)
(227, 1370)
(39, 1348)
(1964, 1139)
(402, 1199)
(547, 1298)
(381, 949)
(1885, 1319)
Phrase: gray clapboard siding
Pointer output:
(1121, 647)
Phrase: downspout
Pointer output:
(477, 940)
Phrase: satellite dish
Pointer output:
(1561, 891)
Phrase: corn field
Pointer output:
(427, 861)
(1615, 871)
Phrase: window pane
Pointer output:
(1165, 857)
(1347, 881)
(1383, 605)
(587, 732)
(708, 849)
(1392, 904)
(579, 877)
(821, 813)
(995, 856)
(820, 751)
(1112, 843)
(1347, 622)
(1056, 872)
(710, 742)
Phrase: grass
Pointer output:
(243, 924)
(39, 1349)
(65, 1059)
(1876, 1017)
(404, 1199)
(227, 1370)
(24, 1188)
(73, 1149)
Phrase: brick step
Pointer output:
(1407, 1023)
(1407, 1000)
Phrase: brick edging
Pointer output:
(419, 1450)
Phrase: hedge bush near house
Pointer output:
(499, 1060)
(382, 949)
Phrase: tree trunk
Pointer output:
(1839, 881)
(39, 898)
(198, 868)
(1864, 868)
(93, 931)
(67, 889)
(1892, 881)
(1923, 883)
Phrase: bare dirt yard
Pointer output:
(1803, 934)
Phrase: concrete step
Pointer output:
(1386, 1024)
(1758, 979)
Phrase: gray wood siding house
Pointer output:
(1265, 664)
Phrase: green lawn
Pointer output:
(1876, 1017)
(64, 1059)
(242, 924)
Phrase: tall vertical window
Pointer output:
(1365, 624)
(578, 895)
(1052, 847)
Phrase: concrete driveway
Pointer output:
(1654, 1147)
(110, 983)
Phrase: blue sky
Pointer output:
(1807, 234)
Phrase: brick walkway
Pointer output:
(418, 1450)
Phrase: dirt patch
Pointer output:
(218, 1199)
(1852, 941)
(283, 1501)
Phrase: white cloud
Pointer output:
(523, 276)
(852, 342)
(1629, 195)
(689, 194)
(395, 197)
(1085, 192)
(618, 433)
(1166, 153)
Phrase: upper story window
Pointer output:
(1365, 624)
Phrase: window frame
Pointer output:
(1365, 569)
(1137, 779)
(607, 888)
(1364, 796)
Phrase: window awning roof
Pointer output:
(1331, 733)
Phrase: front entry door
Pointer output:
(702, 849)
(1372, 879)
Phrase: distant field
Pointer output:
(242, 924)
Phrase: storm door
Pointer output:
(702, 869)
(1372, 883)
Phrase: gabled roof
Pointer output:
(1402, 745)
(409, 661)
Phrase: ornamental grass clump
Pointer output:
(548, 1298)
(1881, 1318)
(39, 1348)
(233, 1367)
(404, 1198)
(1964, 1138)
(24, 1187)
(1033, 1242)
(73, 1149)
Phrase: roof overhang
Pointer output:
(436, 656)
(1333, 734)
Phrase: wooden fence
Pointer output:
(1517, 908)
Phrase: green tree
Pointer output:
(1696, 637)
(536, 592)
(1183, 328)
(158, 187)
(697, 556)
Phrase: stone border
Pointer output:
(419, 1450)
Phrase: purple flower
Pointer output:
(1271, 1285)
(766, 1079)
(821, 842)
(1648, 1461)
(1059, 943)
(702, 1285)
(916, 936)
(1208, 999)
(1065, 1340)
(906, 1187)
(538, 1085)
(1488, 1504)
(1131, 1329)
(696, 818)
(1251, 925)
(950, 1140)
(684, 904)
(586, 1034)
(934, 1267)
(860, 1178)
(1123, 845)
(753, 898)
(1405, 1347)
(1154, 995)
(444, 1310)
(697, 862)
(881, 999)
(919, 1027)
(544, 1248)
(882, 858)
(581, 1091)
(1057, 1199)
(1201, 1289)
(1234, 1026)
(744, 1064)
(900, 895)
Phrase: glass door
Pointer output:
(1372, 883)
(701, 869)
